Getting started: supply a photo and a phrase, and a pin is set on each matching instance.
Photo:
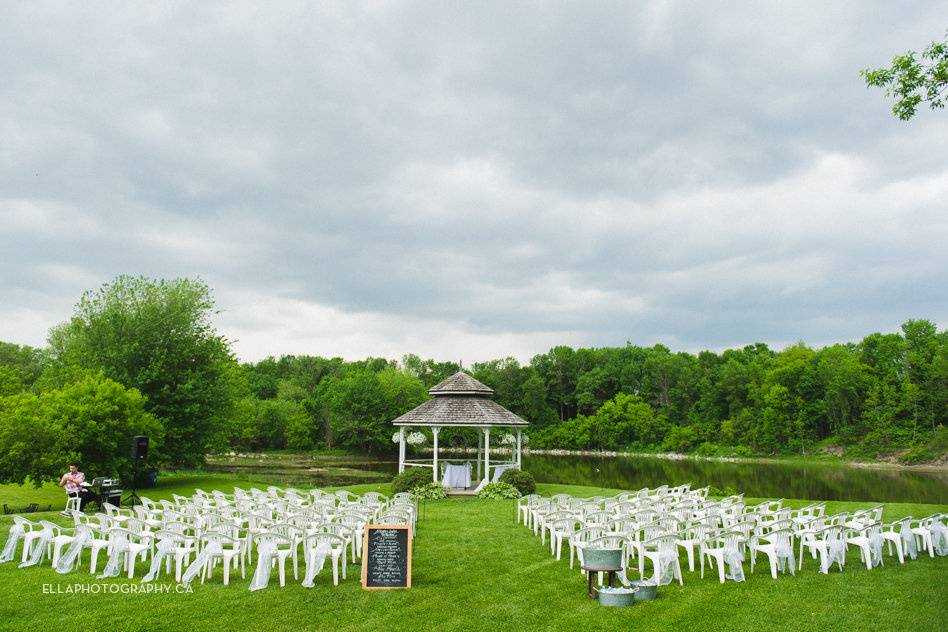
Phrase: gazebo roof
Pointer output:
(460, 400)
(460, 384)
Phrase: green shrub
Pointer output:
(681, 439)
(523, 481)
(938, 444)
(919, 454)
(411, 478)
(430, 491)
(707, 449)
(496, 491)
(721, 493)
(743, 451)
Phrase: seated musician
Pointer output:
(72, 482)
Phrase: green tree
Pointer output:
(912, 81)
(90, 420)
(157, 337)
(626, 420)
(29, 361)
(12, 381)
(362, 405)
(535, 408)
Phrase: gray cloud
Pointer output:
(473, 181)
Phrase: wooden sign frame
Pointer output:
(365, 555)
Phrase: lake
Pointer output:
(791, 479)
(818, 481)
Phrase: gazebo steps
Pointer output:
(462, 492)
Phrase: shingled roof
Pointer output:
(460, 384)
(460, 400)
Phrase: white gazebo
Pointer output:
(462, 402)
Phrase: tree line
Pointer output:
(141, 356)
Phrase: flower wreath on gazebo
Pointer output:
(462, 402)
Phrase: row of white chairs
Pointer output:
(653, 525)
(198, 533)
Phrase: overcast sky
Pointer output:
(467, 181)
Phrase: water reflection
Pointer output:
(788, 480)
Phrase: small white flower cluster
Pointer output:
(413, 438)
(509, 439)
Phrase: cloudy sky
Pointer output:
(474, 180)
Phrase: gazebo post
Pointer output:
(487, 454)
(519, 447)
(401, 449)
(434, 470)
(480, 442)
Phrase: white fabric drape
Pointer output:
(835, 552)
(784, 552)
(163, 549)
(69, 560)
(875, 548)
(261, 576)
(456, 475)
(212, 549)
(939, 537)
(909, 547)
(39, 547)
(734, 560)
(118, 544)
(317, 560)
(13, 538)
(665, 567)
(500, 469)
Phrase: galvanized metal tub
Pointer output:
(602, 559)
(647, 590)
(615, 597)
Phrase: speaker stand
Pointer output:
(132, 499)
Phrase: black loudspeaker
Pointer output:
(139, 447)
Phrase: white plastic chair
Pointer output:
(870, 542)
(690, 539)
(524, 505)
(62, 537)
(923, 533)
(228, 551)
(281, 547)
(562, 530)
(182, 547)
(294, 537)
(17, 536)
(830, 544)
(73, 503)
(337, 552)
(663, 553)
(725, 549)
(777, 545)
(898, 534)
(117, 514)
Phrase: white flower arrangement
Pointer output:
(508, 439)
(415, 438)
(395, 437)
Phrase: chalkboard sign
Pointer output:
(386, 556)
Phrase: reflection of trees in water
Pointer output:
(788, 480)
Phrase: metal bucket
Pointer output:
(646, 590)
(620, 596)
(606, 559)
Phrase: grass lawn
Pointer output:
(473, 567)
